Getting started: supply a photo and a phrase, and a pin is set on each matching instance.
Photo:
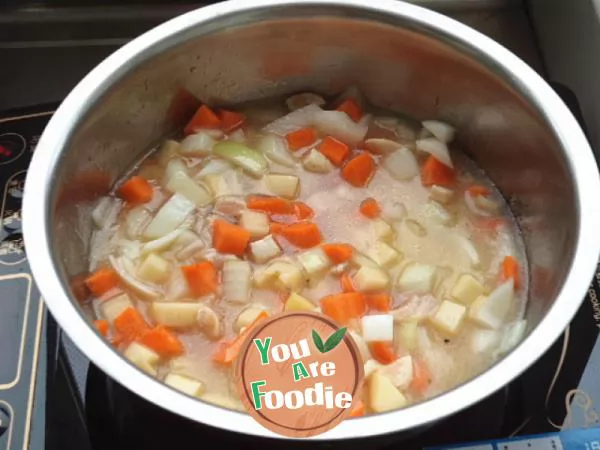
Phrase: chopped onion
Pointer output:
(299, 101)
(300, 118)
(512, 336)
(378, 328)
(135, 220)
(177, 287)
(214, 166)
(283, 185)
(338, 125)
(132, 250)
(382, 146)
(209, 322)
(472, 206)
(181, 183)
(401, 164)
(162, 243)
(170, 216)
(418, 278)
(242, 156)
(199, 144)
(236, 280)
(315, 161)
(105, 212)
(237, 136)
(470, 250)
(129, 279)
(227, 183)
(275, 148)
(435, 148)
(175, 166)
(440, 130)
(190, 250)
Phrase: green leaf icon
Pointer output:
(318, 341)
(331, 342)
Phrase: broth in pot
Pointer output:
(329, 205)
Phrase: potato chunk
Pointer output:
(175, 314)
(370, 279)
(295, 302)
(154, 269)
(449, 317)
(143, 357)
(257, 223)
(383, 395)
(112, 308)
(467, 289)
(184, 384)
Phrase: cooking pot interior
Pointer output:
(407, 67)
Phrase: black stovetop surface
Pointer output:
(50, 400)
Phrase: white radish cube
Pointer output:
(491, 311)
(418, 278)
(370, 279)
(383, 395)
(264, 249)
(143, 357)
(257, 223)
(112, 308)
(467, 289)
(378, 327)
(400, 372)
(314, 261)
(383, 254)
(184, 384)
(440, 194)
(154, 269)
(449, 317)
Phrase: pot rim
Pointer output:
(37, 203)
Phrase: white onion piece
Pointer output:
(213, 167)
(130, 280)
(160, 244)
(135, 221)
(275, 148)
(238, 136)
(130, 249)
(105, 212)
(401, 164)
(190, 250)
(470, 250)
(236, 280)
(294, 121)
(440, 130)
(472, 206)
(170, 216)
(338, 125)
(436, 148)
(177, 287)
(199, 144)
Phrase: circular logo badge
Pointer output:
(298, 374)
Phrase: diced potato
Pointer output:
(154, 269)
(295, 302)
(317, 162)
(257, 223)
(209, 322)
(369, 279)
(370, 367)
(418, 278)
(383, 395)
(379, 327)
(287, 186)
(382, 229)
(143, 357)
(246, 317)
(181, 183)
(449, 317)
(314, 261)
(467, 289)
(440, 194)
(383, 254)
(184, 384)
(491, 311)
(175, 314)
(407, 334)
(400, 372)
(264, 249)
(112, 308)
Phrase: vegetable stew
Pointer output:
(373, 219)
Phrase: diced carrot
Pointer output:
(270, 205)
(476, 190)
(334, 150)
(79, 288)
(102, 281)
(421, 376)
(359, 170)
(370, 208)
(276, 227)
(338, 253)
(383, 352)
(379, 302)
(346, 283)
(510, 269)
(358, 409)
(131, 325)
(230, 120)
(203, 118)
(302, 234)
(229, 350)
(301, 138)
(435, 172)
(230, 238)
(102, 327)
(352, 108)
(344, 307)
(303, 211)
(162, 341)
(136, 190)
(202, 278)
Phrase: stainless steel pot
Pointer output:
(403, 57)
